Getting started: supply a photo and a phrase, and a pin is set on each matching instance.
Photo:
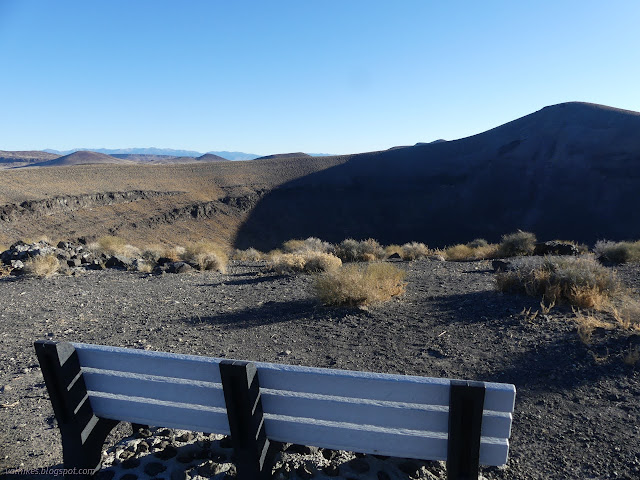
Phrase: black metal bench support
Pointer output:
(466, 403)
(83, 434)
(244, 410)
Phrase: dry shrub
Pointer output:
(350, 250)
(618, 252)
(309, 262)
(516, 244)
(115, 246)
(458, 253)
(42, 266)
(311, 244)
(206, 256)
(586, 324)
(477, 249)
(580, 281)
(248, 255)
(321, 262)
(284, 263)
(415, 251)
(357, 285)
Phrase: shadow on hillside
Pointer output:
(266, 314)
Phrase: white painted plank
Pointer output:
(159, 413)
(188, 367)
(370, 412)
(155, 387)
(380, 441)
(373, 386)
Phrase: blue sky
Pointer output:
(264, 77)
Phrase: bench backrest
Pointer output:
(394, 415)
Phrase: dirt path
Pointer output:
(577, 410)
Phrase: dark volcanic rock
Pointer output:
(555, 248)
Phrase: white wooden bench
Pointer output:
(94, 387)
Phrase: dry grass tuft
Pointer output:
(517, 244)
(618, 252)
(308, 262)
(42, 266)
(391, 250)
(478, 249)
(415, 251)
(115, 246)
(587, 324)
(350, 250)
(358, 285)
(311, 244)
(248, 255)
(206, 256)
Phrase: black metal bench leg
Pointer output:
(466, 403)
(244, 410)
(83, 434)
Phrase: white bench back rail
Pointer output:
(395, 415)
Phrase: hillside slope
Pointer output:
(570, 170)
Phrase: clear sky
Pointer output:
(340, 76)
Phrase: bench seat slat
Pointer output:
(160, 413)
(343, 383)
(149, 386)
(368, 412)
(358, 438)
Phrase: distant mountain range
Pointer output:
(169, 152)
(158, 151)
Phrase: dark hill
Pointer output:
(285, 155)
(210, 157)
(567, 171)
(83, 157)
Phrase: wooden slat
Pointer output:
(159, 413)
(188, 367)
(356, 438)
(342, 383)
(150, 386)
(369, 412)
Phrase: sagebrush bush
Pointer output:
(310, 244)
(206, 256)
(350, 250)
(478, 249)
(618, 252)
(42, 266)
(357, 285)
(248, 255)
(518, 243)
(112, 245)
(580, 281)
(415, 251)
(308, 262)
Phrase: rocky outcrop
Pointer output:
(205, 210)
(70, 203)
(555, 247)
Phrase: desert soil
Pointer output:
(577, 413)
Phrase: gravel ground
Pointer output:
(577, 411)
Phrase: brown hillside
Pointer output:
(83, 157)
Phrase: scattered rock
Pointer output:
(501, 266)
(555, 247)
